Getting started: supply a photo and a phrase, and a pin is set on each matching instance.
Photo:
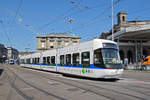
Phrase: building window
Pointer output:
(66, 44)
(66, 41)
(123, 18)
(42, 44)
(51, 40)
(68, 59)
(75, 41)
(59, 44)
(51, 44)
(59, 41)
(62, 60)
(42, 40)
(85, 59)
(76, 59)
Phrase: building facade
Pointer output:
(56, 40)
(3, 53)
(133, 38)
(12, 53)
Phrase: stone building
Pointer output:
(12, 53)
(56, 40)
(3, 53)
(133, 38)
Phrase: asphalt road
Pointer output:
(17, 83)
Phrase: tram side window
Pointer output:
(35, 60)
(76, 59)
(68, 59)
(44, 60)
(23, 61)
(85, 59)
(98, 61)
(62, 60)
(48, 60)
(28, 61)
(53, 60)
(38, 60)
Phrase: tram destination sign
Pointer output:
(109, 45)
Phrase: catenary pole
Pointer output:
(112, 4)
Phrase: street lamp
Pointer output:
(70, 21)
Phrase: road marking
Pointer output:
(53, 83)
(30, 88)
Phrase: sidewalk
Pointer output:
(133, 67)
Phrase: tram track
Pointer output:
(31, 85)
(120, 85)
(70, 84)
(94, 91)
(17, 90)
(89, 88)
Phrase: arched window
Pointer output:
(129, 56)
(123, 18)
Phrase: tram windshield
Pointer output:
(110, 56)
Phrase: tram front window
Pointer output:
(110, 56)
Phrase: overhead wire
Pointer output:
(60, 17)
(11, 22)
(17, 11)
(5, 32)
(91, 21)
(65, 15)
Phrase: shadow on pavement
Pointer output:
(1, 71)
(93, 79)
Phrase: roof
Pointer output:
(65, 35)
(121, 12)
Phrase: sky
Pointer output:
(22, 20)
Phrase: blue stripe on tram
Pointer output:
(91, 66)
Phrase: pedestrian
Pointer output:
(125, 63)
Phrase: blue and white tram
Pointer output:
(97, 58)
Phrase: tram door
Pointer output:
(85, 61)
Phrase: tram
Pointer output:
(97, 58)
